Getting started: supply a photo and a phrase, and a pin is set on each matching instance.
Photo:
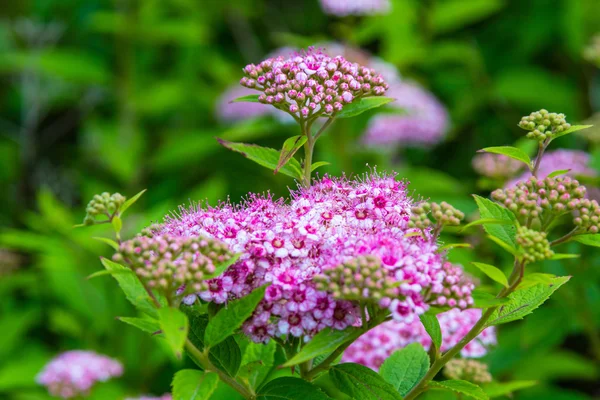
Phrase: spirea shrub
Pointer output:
(329, 292)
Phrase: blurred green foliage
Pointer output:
(121, 95)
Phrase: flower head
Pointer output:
(469, 370)
(103, 204)
(544, 125)
(575, 161)
(73, 373)
(342, 8)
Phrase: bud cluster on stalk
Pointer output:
(442, 214)
(534, 245)
(103, 204)
(467, 370)
(544, 125)
(166, 263)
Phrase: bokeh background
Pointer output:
(101, 95)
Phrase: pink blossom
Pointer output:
(342, 8)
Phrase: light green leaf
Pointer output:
(490, 210)
(486, 221)
(572, 129)
(191, 384)
(264, 156)
(523, 302)
(405, 367)
(463, 387)
(146, 325)
(131, 201)
(174, 325)
(562, 256)
(360, 382)
(453, 246)
(588, 240)
(228, 319)
(318, 164)
(117, 224)
(251, 98)
(509, 151)
(323, 342)
(288, 388)
(220, 268)
(504, 245)
(432, 326)
(109, 242)
(500, 389)
(485, 300)
(559, 172)
(534, 279)
(364, 104)
(290, 147)
(492, 272)
(98, 274)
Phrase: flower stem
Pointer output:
(538, 159)
(309, 147)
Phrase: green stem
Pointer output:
(564, 238)
(538, 159)
(309, 147)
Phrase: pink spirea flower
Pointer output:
(576, 160)
(228, 112)
(166, 396)
(342, 8)
(423, 120)
(73, 373)
(496, 165)
(375, 346)
(328, 224)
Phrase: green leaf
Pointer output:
(220, 268)
(452, 245)
(323, 342)
(191, 384)
(490, 210)
(499, 389)
(288, 388)
(485, 221)
(290, 147)
(130, 201)
(117, 223)
(364, 104)
(228, 319)
(360, 382)
(318, 164)
(405, 367)
(251, 98)
(146, 325)
(504, 245)
(463, 387)
(572, 129)
(534, 279)
(131, 286)
(492, 272)
(448, 15)
(432, 326)
(174, 325)
(264, 156)
(523, 302)
(257, 360)
(588, 240)
(485, 300)
(98, 274)
(562, 256)
(109, 242)
(559, 172)
(509, 151)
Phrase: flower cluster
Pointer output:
(344, 8)
(167, 263)
(166, 396)
(372, 348)
(326, 225)
(311, 83)
(443, 214)
(534, 245)
(496, 166)
(103, 204)
(543, 125)
(73, 373)
(467, 370)
(420, 119)
(576, 161)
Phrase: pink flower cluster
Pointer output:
(422, 119)
(342, 8)
(328, 224)
(73, 373)
(311, 83)
(375, 346)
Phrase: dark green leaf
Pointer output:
(492, 272)
(432, 326)
(485, 300)
(131, 201)
(191, 384)
(288, 388)
(290, 147)
(405, 367)
(146, 325)
(364, 104)
(324, 342)
(490, 210)
(257, 360)
(360, 382)
(452, 14)
(588, 240)
(463, 387)
(174, 326)
(509, 151)
(499, 389)
(251, 98)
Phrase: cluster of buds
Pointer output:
(543, 125)
(103, 204)
(534, 245)
(443, 214)
(312, 83)
(363, 278)
(496, 166)
(467, 370)
(169, 263)
(588, 216)
(455, 289)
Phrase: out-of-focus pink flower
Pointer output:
(375, 346)
(73, 373)
(227, 111)
(342, 8)
(496, 165)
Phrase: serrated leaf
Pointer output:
(146, 325)
(405, 367)
(485, 221)
(108, 241)
(251, 98)
(265, 156)
(490, 210)
(485, 300)
(191, 384)
(588, 240)
(131, 286)
(534, 279)
(523, 302)
(230, 318)
(257, 360)
(220, 268)
(572, 129)
(323, 342)
(463, 387)
(364, 104)
(318, 164)
(432, 327)
(499, 389)
(131, 201)
(290, 147)
(509, 151)
(289, 388)
(360, 382)
(492, 272)
(559, 172)
(174, 325)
